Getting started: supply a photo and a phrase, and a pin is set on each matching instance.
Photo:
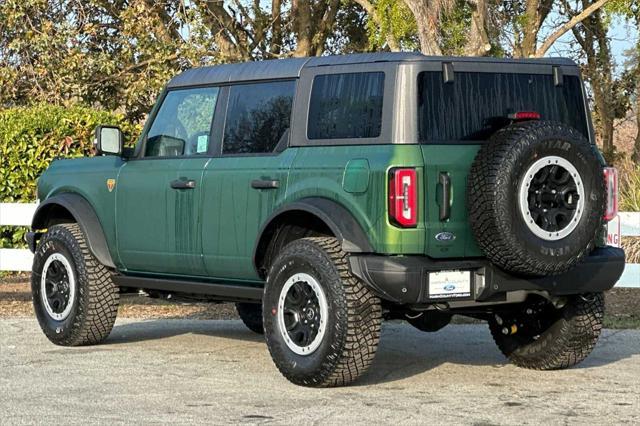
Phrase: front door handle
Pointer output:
(265, 184)
(183, 184)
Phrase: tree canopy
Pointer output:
(117, 54)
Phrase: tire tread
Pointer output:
(363, 321)
(570, 343)
(98, 296)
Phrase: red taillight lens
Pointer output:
(403, 197)
(611, 185)
(525, 115)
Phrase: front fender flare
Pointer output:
(84, 215)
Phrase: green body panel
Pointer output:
(213, 229)
(158, 228)
(86, 177)
(455, 160)
(233, 211)
(319, 172)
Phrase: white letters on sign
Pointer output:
(613, 232)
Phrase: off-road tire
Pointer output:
(251, 316)
(354, 316)
(492, 198)
(567, 342)
(96, 303)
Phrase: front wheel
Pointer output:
(74, 297)
(538, 336)
(322, 325)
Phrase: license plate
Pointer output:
(449, 284)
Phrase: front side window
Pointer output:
(345, 106)
(258, 117)
(182, 125)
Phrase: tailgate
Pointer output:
(448, 236)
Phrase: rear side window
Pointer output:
(475, 105)
(346, 106)
(258, 117)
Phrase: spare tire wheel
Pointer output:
(536, 197)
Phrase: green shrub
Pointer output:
(31, 137)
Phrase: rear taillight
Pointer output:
(403, 197)
(611, 186)
(525, 115)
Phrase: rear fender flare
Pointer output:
(337, 218)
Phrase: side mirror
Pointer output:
(108, 140)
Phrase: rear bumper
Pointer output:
(405, 279)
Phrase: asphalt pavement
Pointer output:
(183, 371)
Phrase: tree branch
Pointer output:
(134, 67)
(568, 26)
(324, 25)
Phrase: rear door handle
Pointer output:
(265, 184)
(183, 184)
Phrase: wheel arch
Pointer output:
(71, 207)
(320, 216)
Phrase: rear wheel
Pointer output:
(251, 316)
(322, 325)
(74, 297)
(540, 337)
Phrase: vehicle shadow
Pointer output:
(157, 329)
(403, 351)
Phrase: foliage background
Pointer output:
(32, 137)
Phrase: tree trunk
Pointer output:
(530, 29)
(591, 34)
(301, 19)
(276, 42)
(324, 19)
(478, 40)
(427, 23)
(536, 12)
(636, 146)
(599, 73)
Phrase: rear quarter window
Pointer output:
(475, 105)
(346, 106)
(258, 117)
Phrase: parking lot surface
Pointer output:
(184, 371)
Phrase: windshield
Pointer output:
(476, 104)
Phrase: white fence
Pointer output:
(626, 224)
(16, 215)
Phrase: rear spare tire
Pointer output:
(536, 198)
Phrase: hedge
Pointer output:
(31, 137)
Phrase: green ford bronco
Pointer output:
(323, 195)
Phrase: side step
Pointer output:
(220, 291)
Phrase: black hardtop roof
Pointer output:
(291, 67)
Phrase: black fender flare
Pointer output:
(339, 220)
(84, 215)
